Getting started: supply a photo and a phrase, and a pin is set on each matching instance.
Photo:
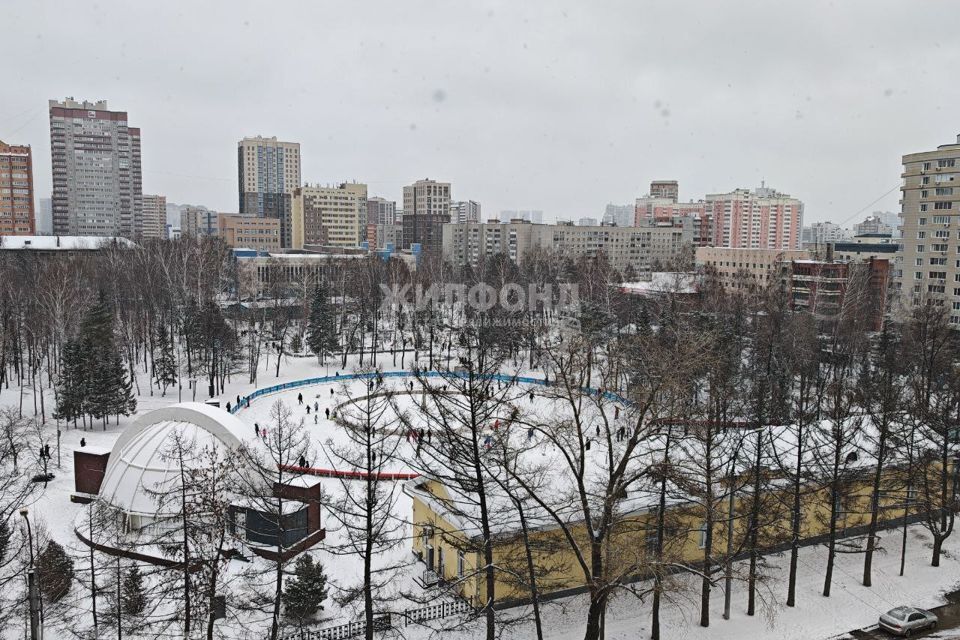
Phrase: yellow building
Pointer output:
(451, 547)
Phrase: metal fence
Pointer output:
(383, 621)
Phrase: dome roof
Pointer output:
(142, 463)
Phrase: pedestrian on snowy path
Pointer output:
(83, 442)
(316, 406)
(328, 412)
(308, 412)
(228, 406)
(300, 398)
(316, 417)
(256, 429)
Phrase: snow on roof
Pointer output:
(62, 243)
(142, 462)
(662, 282)
(94, 450)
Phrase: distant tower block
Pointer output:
(668, 189)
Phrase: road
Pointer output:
(948, 627)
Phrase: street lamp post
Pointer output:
(35, 631)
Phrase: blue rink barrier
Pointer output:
(500, 377)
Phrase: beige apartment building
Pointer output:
(746, 269)
(250, 232)
(330, 216)
(154, 218)
(641, 248)
(930, 202)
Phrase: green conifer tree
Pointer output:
(304, 595)
(54, 571)
(321, 335)
(133, 600)
(165, 364)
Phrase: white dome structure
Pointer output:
(142, 463)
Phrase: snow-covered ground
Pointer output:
(815, 617)
(850, 606)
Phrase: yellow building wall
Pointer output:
(627, 547)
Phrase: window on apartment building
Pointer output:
(926, 179)
(924, 194)
(926, 166)
(923, 207)
(941, 219)
(944, 191)
(921, 248)
(918, 275)
(918, 262)
(921, 235)
(947, 162)
(922, 221)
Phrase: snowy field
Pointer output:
(815, 617)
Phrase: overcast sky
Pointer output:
(558, 106)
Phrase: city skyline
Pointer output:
(681, 116)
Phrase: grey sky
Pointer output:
(560, 106)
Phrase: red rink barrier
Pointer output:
(351, 475)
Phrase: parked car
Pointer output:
(904, 621)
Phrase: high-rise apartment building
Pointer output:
(530, 215)
(819, 234)
(872, 225)
(650, 210)
(465, 211)
(269, 172)
(198, 221)
(44, 217)
(666, 189)
(334, 216)
(95, 156)
(930, 204)
(154, 217)
(759, 219)
(621, 215)
(381, 211)
(16, 191)
(426, 208)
